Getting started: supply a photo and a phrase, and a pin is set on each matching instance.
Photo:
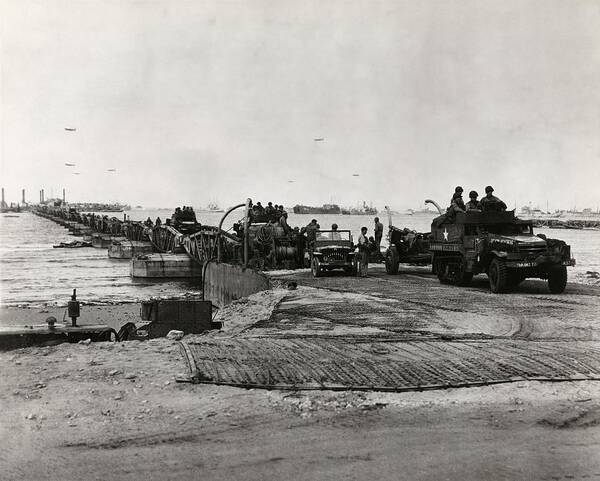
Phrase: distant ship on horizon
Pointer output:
(211, 207)
(324, 209)
(99, 207)
(426, 210)
(364, 210)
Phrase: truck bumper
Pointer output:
(538, 263)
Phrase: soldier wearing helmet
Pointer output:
(456, 203)
(473, 203)
(458, 191)
(491, 203)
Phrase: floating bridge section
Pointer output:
(220, 256)
(165, 238)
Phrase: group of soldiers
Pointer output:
(270, 213)
(489, 203)
(101, 223)
(183, 214)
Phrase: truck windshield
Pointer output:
(507, 229)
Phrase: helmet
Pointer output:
(473, 194)
(334, 226)
(488, 189)
(458, 189)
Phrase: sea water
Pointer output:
(33, 273)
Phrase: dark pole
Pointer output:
(221, 227)
(247, 210)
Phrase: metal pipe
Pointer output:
(429, 201)
(389, 214)
(221, 228)
(247, 211)
(204, 267)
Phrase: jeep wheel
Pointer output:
(391, 262)
(498, 275)
(316, 267)
(557, 279)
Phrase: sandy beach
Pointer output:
(116, 411)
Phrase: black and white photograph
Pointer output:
(300, 240)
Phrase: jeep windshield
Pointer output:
(333, 235)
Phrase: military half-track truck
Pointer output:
(500, 245)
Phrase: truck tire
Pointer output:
(498, 276)
(557, 279)
(315, 267)
(464, 279)
(391, 261)
(439, 267)
(514, 279)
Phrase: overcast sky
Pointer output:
(204, 101)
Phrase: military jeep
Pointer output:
(499, 244)
(332, 250)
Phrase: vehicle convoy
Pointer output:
(499, 244)
(332, 249)
(406, 246)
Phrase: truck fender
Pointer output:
(500, 254)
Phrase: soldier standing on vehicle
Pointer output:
(473, 203)
(457, 204)
(491, 203)
(260, 209)
(363, 253)
(283, 223)
(269, 210)
(458, 191)
(378, 232)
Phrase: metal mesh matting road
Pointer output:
(357, 363)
